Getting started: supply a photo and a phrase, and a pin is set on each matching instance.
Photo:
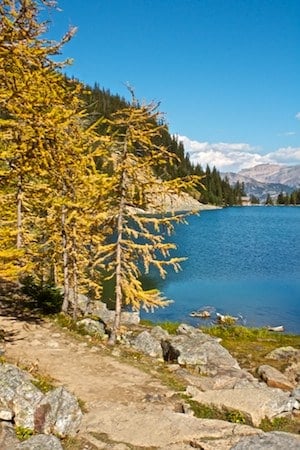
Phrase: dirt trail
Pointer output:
(97, 379)
(126, 407)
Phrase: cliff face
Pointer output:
(274, 173)
(184, 203)
(267, 179)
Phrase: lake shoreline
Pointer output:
(240, 260)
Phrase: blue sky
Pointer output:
(227, 72)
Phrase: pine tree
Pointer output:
(140, 241)
(269, 200)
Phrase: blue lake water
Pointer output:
(241, 260)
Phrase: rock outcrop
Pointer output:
(274, 378)
(190, 347)
(100, 310)
(254, 403)
(91, 326)
(58, 413)
(220, 382)
(24, 405)
(40, 442)
(284, 354)
(269, 441)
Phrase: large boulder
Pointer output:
(24, 404)
(58, 413)
(100, 310)
(292, 372)
(269, 441)
(92, 326)
(19, 395)
(148, 344)
(200, 350)
(161, 428)
(10, 378)
(40, 442)
(284, 353)
(274, 378)
(290, 356)
(190, 347)
(255, 403)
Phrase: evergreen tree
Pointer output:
(140, 240)
(269, 200)
(46, 160)
(101, 103)
(254, 200)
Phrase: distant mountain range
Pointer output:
(267, 179)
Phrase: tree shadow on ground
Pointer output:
(15, 304)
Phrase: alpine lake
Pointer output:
(241, 261)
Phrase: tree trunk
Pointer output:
(119, 294)
(120, 224)
(75, 275)
(65, 304)
(75, 292)
(19, 214)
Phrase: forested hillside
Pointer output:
(101, 102)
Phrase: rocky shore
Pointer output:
(127, 407)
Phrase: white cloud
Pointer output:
(297, 116)
(232, 157)
(287, 133)
(286, 155)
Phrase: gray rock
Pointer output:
(296, 393)
(254, 403)
(18, 394)
(159, 333)
(8, 438)
(40, 442)
(292, 372)
(83, 302)
(100, 310)
(6, 414)
(10, 378)
(204, 352)
(162, 428)
(92, 326)
(186, 329)
(58, 413)
(25, 403)
(272, 441)
(235, 379)
(148, 344)
(190, 347)
(274, 378)
(284, 353)
(130, 318)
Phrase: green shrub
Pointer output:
(45, 295)
(43, 383)
(235, 417)
(204, 411)
(280, 424)
(170, 327)
(23, 433)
